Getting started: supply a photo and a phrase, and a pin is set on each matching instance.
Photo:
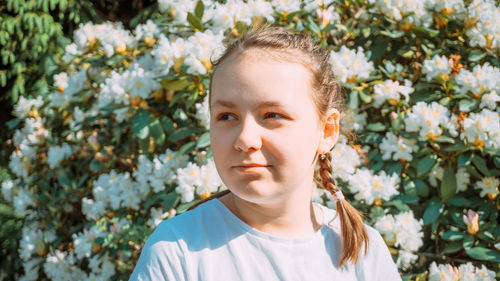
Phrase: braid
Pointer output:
(353, 231)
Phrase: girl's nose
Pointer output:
(249, 138)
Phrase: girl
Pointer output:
(275, 112)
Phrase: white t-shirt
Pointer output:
(211, 243)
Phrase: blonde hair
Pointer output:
(327, 94)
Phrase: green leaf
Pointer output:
(453, 247)
(476, 55)
(468, 242)
(445, 139)
(199, 10)
(480, 163)
(376, 127)
(366, 98)
(140, 124)
(425, 164)
(188, 147)
(203, 141)
(12, 124)
(156, 131)
(422, 188)
(496, 160)
(484, 254)
(393, 33)
(95, 166)
(464, 159)
(175, 84)
(459, 201)
(184, 206)
(452, 235)
(459, 146)
(449, 183)
(167, 124)
(433, 211)
(194, 21)
(467, 105)
(183, 133)
(170, 200)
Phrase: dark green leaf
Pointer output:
(452, 247)
(480, 163)
(464, 159)
(194, 21)
(484, 254)
(468, 241)
(376, 127)
(156, 131)
(467, 105)
(170, 200)
(393, 33)
(140, 124)
(199, 10)
(449, 183)
(476, 55)
(204, 140)
(184, 206)
(433, 211)
(459, 202)
(496, 160)
(426, 164)
(459, 146)
(452, 235)
(422, 188)
(12, 124)
(188, 147)
(167, 124)
(183, 133)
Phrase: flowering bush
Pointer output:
(122, 143)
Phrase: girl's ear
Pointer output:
(331, 131)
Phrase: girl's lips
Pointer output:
(250, 169)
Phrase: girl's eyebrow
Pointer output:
(232, 105)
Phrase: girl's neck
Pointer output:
(290, 219)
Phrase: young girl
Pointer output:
(275, 109)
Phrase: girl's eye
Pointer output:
(225, 117)
(273, 115)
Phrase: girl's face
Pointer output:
(264, 127)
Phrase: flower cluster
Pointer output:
(464, 272)
(403, 231)
(370, 187)
(485, 32)
(429, 120)
(391, 91)
(350, 65)
(401, 147)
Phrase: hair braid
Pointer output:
(353, 231)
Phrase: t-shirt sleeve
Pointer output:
(378, 264)
(160, 259)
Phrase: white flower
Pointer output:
(31, 268)
(58, 153)
(369, 186)
(410, 11)
(345, 159)
(203, 112)
(117, 191)
(7, 186)
(438, 65)
(83, 243)
(392, 91)
(490, 100)
(61, 266)
(353, 120)
(163, 54)
(427, 119)
(109, 37)
(93, 209)
(288, 6)
(482, 79)
(157, 216)
(482, 129)
(24, 106)
(463, 179)
(485, 32)
(403, 231)
(186, 192)
(23, 200)
(442, 272)
(102, 268)
(349, 65)
(401, 147)
(147, 29)
(488, 185)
